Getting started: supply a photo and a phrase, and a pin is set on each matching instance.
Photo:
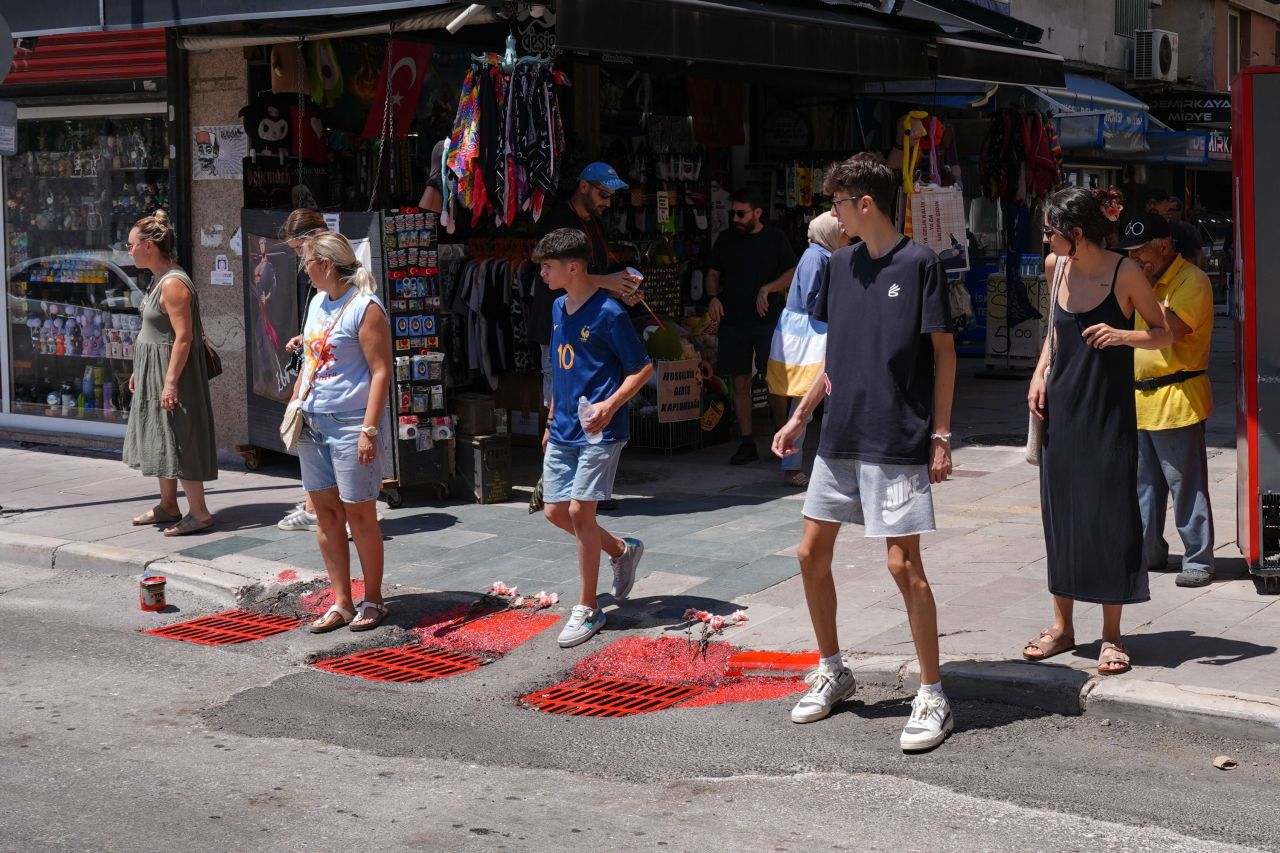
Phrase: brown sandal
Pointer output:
(1115, 657)
(364, 621)
(1048, 645)
(156, 515)
(333, 619)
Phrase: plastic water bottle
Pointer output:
(585, 411)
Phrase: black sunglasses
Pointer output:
(740, 214)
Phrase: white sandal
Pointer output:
(362, 616)
(324, 624)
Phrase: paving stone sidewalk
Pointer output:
(719, 537)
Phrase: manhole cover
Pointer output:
(609, 697)
(406, 664)
(223, 629)
(997, 439)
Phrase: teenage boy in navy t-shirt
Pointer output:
(891, 368)
(596, 354)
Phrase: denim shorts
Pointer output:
(888, 500)
(579, 473)
(327, 451)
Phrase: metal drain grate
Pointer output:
(406, 664)
(223, 629)
(609, 697)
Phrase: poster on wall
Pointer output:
(938, 221)
(272, 280)
(218, 152)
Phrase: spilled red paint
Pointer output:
(321, 600)
(745, 690)
(670, 660)
(661, 660)
(772, 663)
(458, 630)
(287, 576)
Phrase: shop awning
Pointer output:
(1091, 113)
(66, 16)
(793, 37)
(997, 61)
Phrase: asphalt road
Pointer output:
(116, 741)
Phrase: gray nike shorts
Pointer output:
(887, 500)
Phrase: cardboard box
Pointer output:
(475, 413)
(521, 395)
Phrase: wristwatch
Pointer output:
(371, 431)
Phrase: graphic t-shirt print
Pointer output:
(321, 356)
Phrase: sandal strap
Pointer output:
(367, 605)
(346, 615)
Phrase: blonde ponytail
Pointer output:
(337, 250)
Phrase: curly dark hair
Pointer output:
(1077, 207)
(864, 174)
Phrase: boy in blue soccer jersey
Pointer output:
(595, 354)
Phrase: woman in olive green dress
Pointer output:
(170, 434)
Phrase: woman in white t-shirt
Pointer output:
(344, 385)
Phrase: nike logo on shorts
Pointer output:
(897, 500)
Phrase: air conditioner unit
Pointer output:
(1155, 55)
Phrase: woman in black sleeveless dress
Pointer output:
(1088, 462)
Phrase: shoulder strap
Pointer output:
(1115, 276)
(1059, 273)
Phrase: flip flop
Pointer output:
(188, 524)
(1048, 645)
(155, 515)
(369, 623)
(1113, 654)
(327, 623)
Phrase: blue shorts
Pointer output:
(327, 451)
(584, 473)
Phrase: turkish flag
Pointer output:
(406, 64)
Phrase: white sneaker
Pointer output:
(583, 625)
(929, 723)
(827, 686)
(299, 519)
(624, 568)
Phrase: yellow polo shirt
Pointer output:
(1185, 290)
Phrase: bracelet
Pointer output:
(940, 436)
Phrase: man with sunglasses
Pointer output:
(750, 270)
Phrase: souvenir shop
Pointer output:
(499, 130)
(90, 154)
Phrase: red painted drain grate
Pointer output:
(223, 629)
(609, 697)
(406, 664)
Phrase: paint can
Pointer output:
(151, 592)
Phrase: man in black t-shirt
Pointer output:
(750, 270)
(886, 437)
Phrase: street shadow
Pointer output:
(407, 525)
(971, 715)
(1170, 649)
(661, 611)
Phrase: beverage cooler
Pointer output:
(1256, 174)
(399, 247)
(72, 192)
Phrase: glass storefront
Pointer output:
(71, 194)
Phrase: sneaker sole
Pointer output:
(624, 594)
(932, 742)
(823, 713)
(577, 641)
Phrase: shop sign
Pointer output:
(1192, 108)
(8, 128)
(1219, 145)
(679, 391)
(785, 130)
(538, 35)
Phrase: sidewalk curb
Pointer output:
(1219, 712)
(212, 578)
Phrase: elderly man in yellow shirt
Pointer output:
(1174, 401)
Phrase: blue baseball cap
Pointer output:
(604, 175)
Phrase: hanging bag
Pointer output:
(292, 422)
(1035, 426)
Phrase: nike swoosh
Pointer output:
(893, 516)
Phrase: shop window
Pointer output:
(1132, 15)
(72, 193)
